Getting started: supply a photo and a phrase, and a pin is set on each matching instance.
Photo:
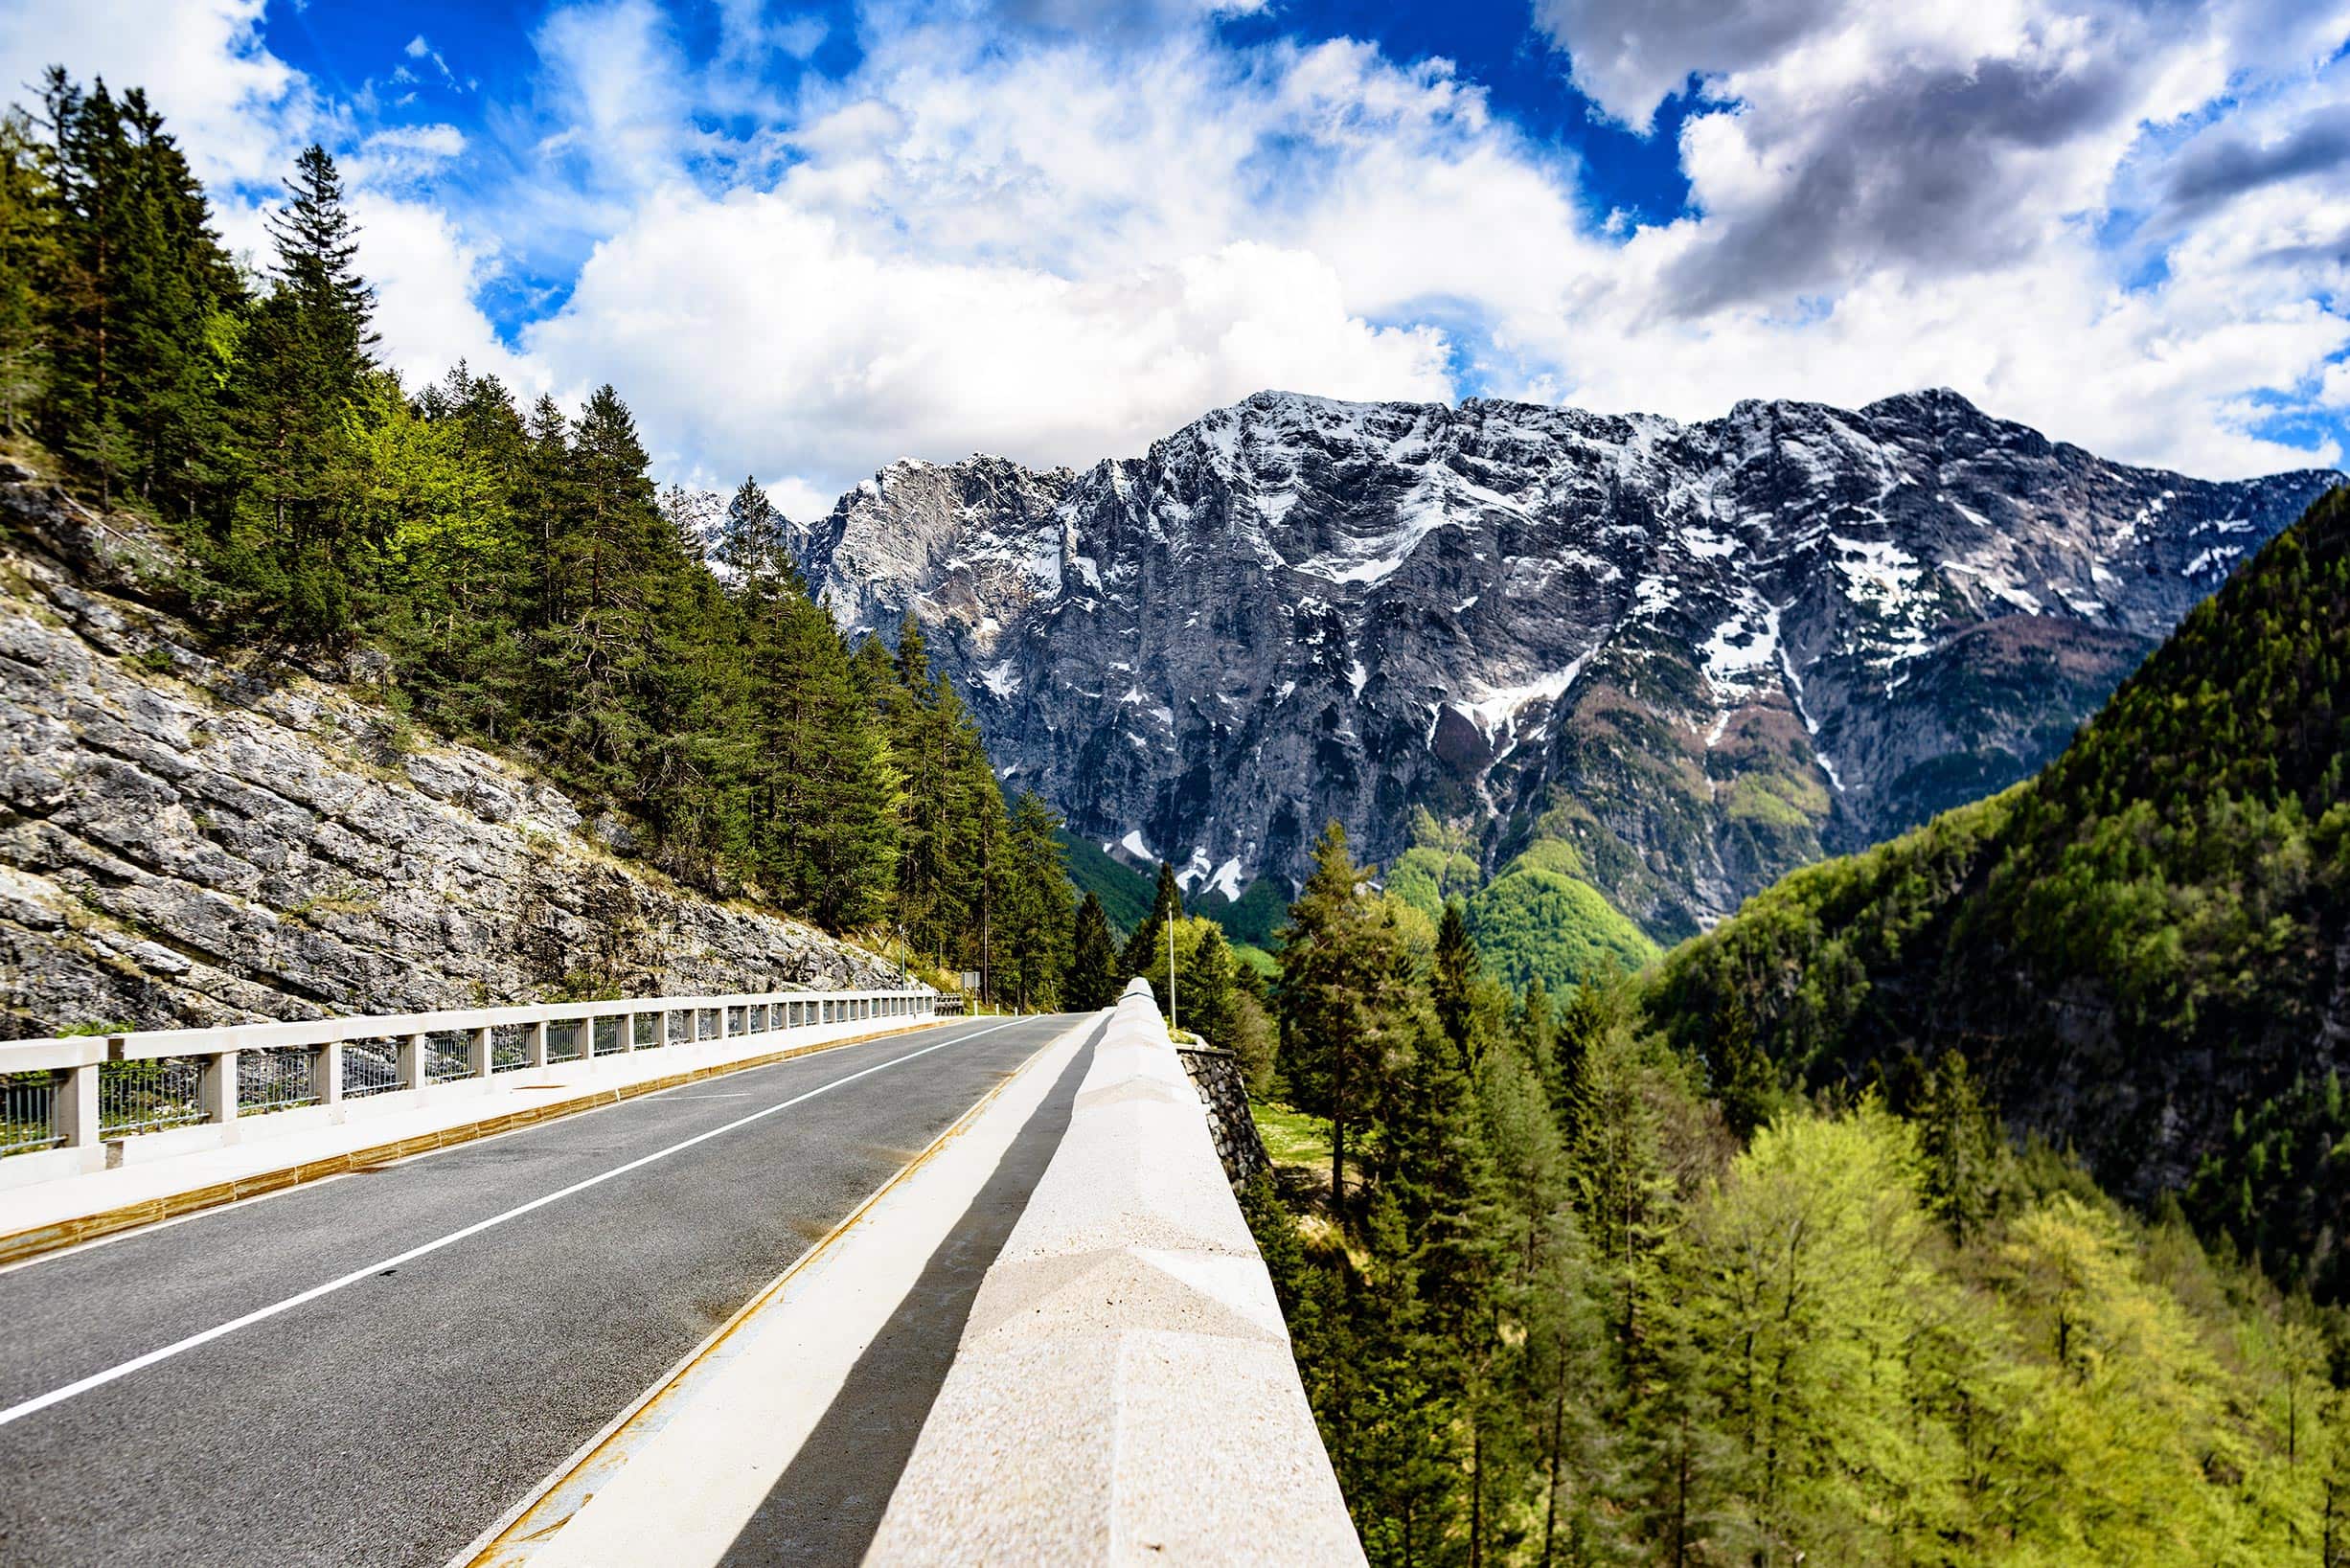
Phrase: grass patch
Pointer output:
(1292, 1137)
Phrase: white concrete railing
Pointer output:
(1124, 1389)
(74, 1105)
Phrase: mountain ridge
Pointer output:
(1700, 654)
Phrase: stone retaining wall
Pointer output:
(1216, 1073)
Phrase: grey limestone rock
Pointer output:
(186, 840)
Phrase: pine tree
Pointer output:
(543, 494)
(947, 825)
(833, 810)
(28, 263)
(1537, 1035)
(875, 675)
(1959, 1145)
(1093, 959)
(752, 537)
(1207, 986)
(1147, 946)
(302, 367)
(139, 316)
(1347, 1007)
(1030, 957)
(977, 825)
(1453, 980)
(609, 559)
(913, 659)
(1744, 1079)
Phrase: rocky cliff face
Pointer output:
(191, 840)
(1699, 654)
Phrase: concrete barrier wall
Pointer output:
(1124, 1391)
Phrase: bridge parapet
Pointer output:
(79, 1106)
(1123, 1389)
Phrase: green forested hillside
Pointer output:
(2144, 952)
(506, 574)
(1780, 1252)
(1125, 893)
(1558, 1298)
(1538, 918)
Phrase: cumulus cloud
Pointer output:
(1884, 196)
(2228, 163)
(844, 357)
(979, 246)
(427, 275)
(1019, 228)
(1629, 55)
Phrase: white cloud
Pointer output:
(1886, 197)
(772, 335)
(620, 86)
(239, 111)
(1021, 248)
(427, 276)
(402, 154)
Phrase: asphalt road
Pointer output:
(392, 1420)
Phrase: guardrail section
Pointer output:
(1124, 1389)
(73, 1105)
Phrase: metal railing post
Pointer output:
(480, 1058)
(535, 1044)
(627, 1033)
(218, 1090)
(414, 1073)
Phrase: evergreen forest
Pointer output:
(501, 574)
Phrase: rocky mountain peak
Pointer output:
(1696, 654)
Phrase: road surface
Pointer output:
(397, 1356)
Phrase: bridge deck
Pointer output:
(391, 1418)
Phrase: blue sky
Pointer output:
(804, 240)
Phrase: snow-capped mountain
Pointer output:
(1699, 653)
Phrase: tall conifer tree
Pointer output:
(1093, 959)
(301, 368)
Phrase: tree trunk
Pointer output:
(1558, 1430)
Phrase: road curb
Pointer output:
(33, 1242)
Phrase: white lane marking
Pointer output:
(139, 1363)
